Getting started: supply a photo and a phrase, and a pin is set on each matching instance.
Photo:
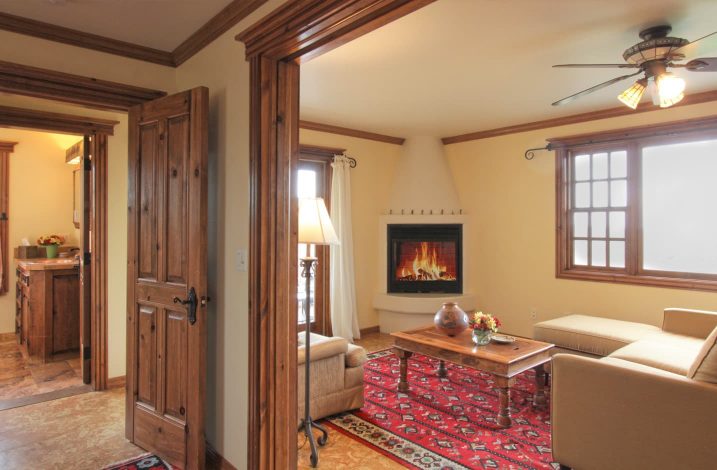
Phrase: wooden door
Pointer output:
(85, 264)
(166, 336)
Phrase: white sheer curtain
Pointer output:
(344, 318)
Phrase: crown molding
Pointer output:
(220, 23)
(215, 27)
(51, 32)
(317, 126)
(694, 98)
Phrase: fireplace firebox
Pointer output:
(425, 258)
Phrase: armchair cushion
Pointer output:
(684, 321)
(321, 347)
(704, 368)
(356, 356)
(675, 355)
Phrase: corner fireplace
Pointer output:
(425, 258)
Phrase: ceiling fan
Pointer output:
(652, 58)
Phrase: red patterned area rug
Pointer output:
(447, 423)
(142, 462)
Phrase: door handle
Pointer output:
(192, 303)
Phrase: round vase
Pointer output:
(450, 319)
(482, 337)
(51, 251)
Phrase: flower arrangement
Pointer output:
(484, 322)
(46, 240)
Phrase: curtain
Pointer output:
(344, 317)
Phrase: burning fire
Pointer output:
(425, 266)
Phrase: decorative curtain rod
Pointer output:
(530, 153)
(352, 160)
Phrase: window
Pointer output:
(314, 180)
(639, 206)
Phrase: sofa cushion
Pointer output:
(356, 356)
(674, 355)
(704, 368)
(592, 335)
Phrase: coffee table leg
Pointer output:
(442, 372)
(540, 381)
(403, 356)
(504, 420)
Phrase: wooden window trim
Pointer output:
(633, 140)
(320, 158)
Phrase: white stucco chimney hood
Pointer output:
(423, 182)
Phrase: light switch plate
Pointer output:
(242, 261)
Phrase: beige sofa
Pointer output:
(336, 375)
(649, 403)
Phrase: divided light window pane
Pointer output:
(582, 167)
(306, 187)
(679, 207)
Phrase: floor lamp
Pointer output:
(315, 228)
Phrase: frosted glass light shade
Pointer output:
(670, 88)
(315, 225)
(632, 96)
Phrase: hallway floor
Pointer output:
(23, 382)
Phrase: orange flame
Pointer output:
(425, 266)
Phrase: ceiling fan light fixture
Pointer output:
(632, 96)
(670, 89)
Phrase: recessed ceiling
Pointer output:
(160, 24)
(459, 66)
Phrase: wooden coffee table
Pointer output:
(504, 361)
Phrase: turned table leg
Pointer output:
(504, 420)
(442, 372)
(541, 376)
(403, 356)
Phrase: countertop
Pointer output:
(47, 264)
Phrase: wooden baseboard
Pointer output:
(116, 382)
(215, 460)
(369, 330)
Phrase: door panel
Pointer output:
(168, 204)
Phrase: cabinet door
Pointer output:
(66, 313)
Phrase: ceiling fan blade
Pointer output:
(597, 66)
(703, 64)
(595, 88)
(704, 45)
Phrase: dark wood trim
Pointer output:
(215, 27)
(116, 382)
(54, 122)
(320, 151)
(215, 460)
(99, 258)
(43, 397)
(6, 148)
(696, 98)
(49, 84)
(370, 330)
(274, 45)
(316, 126)
(74, 37)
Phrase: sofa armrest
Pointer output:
(689, 322)
(323, 347)
(616, 415)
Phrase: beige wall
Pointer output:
(512, 205)
(40, 199)
(370, 192)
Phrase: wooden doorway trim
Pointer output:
(295, 32)
(98, 131)
(6, 148)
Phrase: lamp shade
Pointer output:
(315, 224)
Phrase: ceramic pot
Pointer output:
(450, 319)
(482, 337)
(51, 251)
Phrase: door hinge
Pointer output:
(86, 258)
(86, 353)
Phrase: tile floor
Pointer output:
(21, 377)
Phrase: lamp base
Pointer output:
(307, 425)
